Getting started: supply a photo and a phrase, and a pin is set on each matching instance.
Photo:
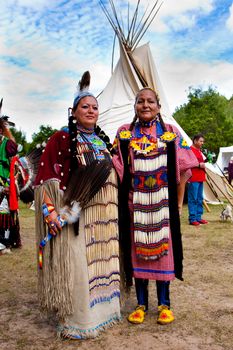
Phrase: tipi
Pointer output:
(136, 69)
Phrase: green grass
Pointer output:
(202, 303)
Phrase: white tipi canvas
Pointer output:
(135, 70)
(116, 102)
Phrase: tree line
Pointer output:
(209, 113)
(206, 112)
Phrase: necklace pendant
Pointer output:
(143, 145)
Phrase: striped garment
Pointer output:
(101, 232)
(150, 204)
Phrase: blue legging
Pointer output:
(195, 201)
(162, 287)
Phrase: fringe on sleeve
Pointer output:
(54, 279)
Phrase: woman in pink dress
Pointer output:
(151, 158)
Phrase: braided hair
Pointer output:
(73, 136)
(99, 132)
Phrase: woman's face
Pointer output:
(87, 112)
(146, 106)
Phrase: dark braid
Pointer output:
(73, 142)
(133, 122)
(159, 115)
(99, 132)
(162, 122)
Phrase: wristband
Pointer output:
(47, 209)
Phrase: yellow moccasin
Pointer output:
(165, 315)
(138, 315)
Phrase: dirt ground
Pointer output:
(203, 303)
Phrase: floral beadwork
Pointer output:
(183, 143)
(98, 142)
(168, 136)
(125, 135)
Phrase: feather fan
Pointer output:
(28, 170)
(86, 181)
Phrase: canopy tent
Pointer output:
(136, 69)
(224, 156)
(216, 186)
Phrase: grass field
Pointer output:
(203, 303)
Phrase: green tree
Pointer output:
(20, 138)
(209, 113)
(42, 136)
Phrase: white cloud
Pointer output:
(41, 93)
(168, 8)
(229, 22)
(58, 43)
(178, 15)
(183, 21)
(177, 76)
(37, 4)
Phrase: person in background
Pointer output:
(150, 158)
(79, 278)
(195, 185)
(230, 170)
(9, 221)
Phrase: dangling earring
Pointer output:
(69, 112)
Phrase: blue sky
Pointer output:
(46, 45)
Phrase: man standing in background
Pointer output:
(195, 186)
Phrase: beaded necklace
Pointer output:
(144, 142)
(82, 129)
(89, 146)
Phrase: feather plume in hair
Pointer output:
(82, 88)
(84, 82)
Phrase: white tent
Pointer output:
(116, 102)
(135, 70)
(224, 156)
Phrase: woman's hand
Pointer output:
(53, 223)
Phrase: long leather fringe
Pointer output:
(101, 231)
(54, 280)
